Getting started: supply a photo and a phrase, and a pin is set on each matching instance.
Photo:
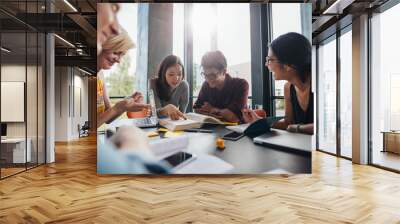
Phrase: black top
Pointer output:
(299, 115)
(232, 96)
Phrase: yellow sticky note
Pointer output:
(231, 123)
(152, 134)
(163, 129)
(170, 134)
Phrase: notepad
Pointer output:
(238, 128)
(166, 146)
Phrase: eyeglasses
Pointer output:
(209, 76)
(268, 59)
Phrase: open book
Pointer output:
(194, 121)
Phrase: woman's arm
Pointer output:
(127, 104)
(184, 97)
(307, 128)
(109, 115)
(284, 123)
(301, 128)
(172, 111)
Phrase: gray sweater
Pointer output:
(179, 97)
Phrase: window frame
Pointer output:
(334, 36)
(188, 49)
(42, 38)
(379, 10)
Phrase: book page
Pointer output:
(203, 118)
(196, 117)
(179, 122)
(177, 125)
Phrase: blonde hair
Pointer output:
(119, 43)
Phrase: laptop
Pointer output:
(151, 121)
(287, 141)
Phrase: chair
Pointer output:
(84, 130)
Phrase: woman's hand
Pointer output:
(137, 97)
(173, 112)
(129, 104)
(249, 116)
(292, 128)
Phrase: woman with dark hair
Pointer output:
(289, 58)
(171, 91)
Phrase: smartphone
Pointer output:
(179, 159)
(233, 136)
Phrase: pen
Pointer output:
(198, 130)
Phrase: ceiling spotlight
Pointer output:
(70, 5)
(84, 71)
(338, 6)
(64, 40)
(5, 50)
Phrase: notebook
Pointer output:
(194, 120)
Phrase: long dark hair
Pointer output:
(163, 90)
(294, 49)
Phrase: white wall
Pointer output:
(33, 127)
(71, 94)
(16, 73)
(314, 90)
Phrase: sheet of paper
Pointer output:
(206, 164)
(238, 128)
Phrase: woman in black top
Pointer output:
(289, 58)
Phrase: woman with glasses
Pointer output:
(221, 95)
(171, 91)
(289, 58)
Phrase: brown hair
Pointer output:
(214, 59)
(163, 90)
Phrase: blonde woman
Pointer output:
(113, 50)
(107, 23)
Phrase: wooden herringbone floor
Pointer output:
(70, 191)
